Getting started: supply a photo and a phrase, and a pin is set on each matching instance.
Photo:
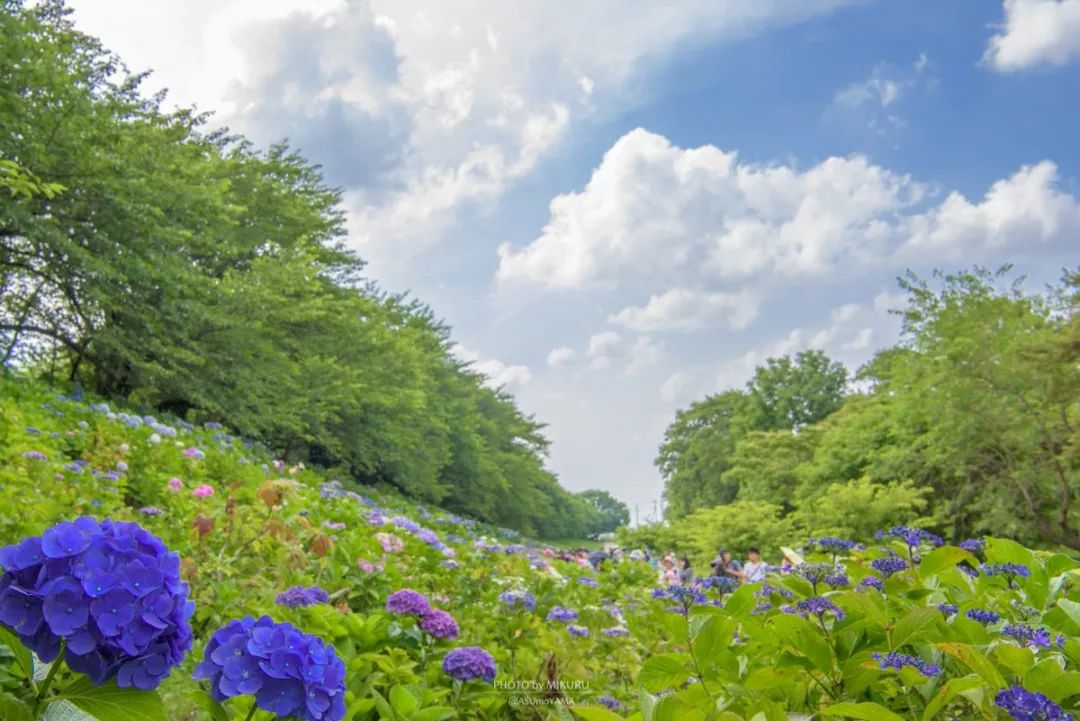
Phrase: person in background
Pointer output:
(726, 566)
(686, 573)
(668, 575)
(754, 570)
(596, 559)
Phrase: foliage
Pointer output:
(258, 537)
(189, 272)
(968, 425)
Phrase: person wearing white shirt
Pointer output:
(754, 570)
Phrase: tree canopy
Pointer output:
(186, 270)
(968, 425)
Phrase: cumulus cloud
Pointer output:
(496, 373)
(560, 356)
(644, 353)
(656, 213)
(685, 310)
(1035, 32)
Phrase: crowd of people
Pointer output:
(678, 570)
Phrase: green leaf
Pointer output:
(1071, 609)
(866, 711)
(946, 693)
(12, 710)
(403, 701)
(1002, 550)
(1047, 677)
(109, 702)
(22, 655)
(433, 713)
(596, 713)
(913, 627)
(941, 558)
(1016, 659)
(976, 661)
(664, 671)
(712, 640)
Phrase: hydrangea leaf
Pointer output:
(23, 659)
(947, 692)
(596, 713)
(109, 702)
(664, 671)
(915, 626)
(865, 711)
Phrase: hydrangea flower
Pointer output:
(389, 542)
(912, 536)
(889, 565)
(897, 661)
(151, 511)
(768, 591)
(983, 616)
(837, 580)
(562, 615)
(615, 632)
(35, 456)
(518, 599)
(1027, 635)
(408, 602)
(948, 609)
(820, 606)
(175, 484)
(1011, 571)
(290, 673)
(111, 591)
(577, 631)
(723, 584)
(469, 662)
(194, 452)
(973, 545)
(203, 491)
(830, 544)
(610, 702)
(449, 563)
(814, 573)
(1024, 705)
(439, 624)
(302, 596)
(761, 607)
(586, 581)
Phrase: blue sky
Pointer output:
(619, 206)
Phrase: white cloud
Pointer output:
(1035, 32)
(603, 343)
(653, 213)
(560, 356)
(497, 373)
(456, 101)
(671, 389)
(685, 310)
(645, 353)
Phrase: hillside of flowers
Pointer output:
(156, 570)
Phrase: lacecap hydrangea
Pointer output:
(290, 673)
(109, 591)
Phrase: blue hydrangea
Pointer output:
(468, 663)
(610, 702)
(820, 606)
(837, 580)
(973, 545)
(897, 661)
(1027, 635)
(889, 565)
(1011, 571)
(518, 599)
(948, 609)
(1024, 705)
(912, 536)
(302, 596)
(722, 584)
(768, 591)
(615, 632)
(111, 591)
(586, 581)
(983, 616)
(290, 673)
(814, 573)
(577, 631)
(830, 544)
(562, 615)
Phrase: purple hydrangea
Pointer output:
(837, 580)
(948, 609)
(1011, 571)
(1027, 635)
(35, 456)
(768, 591)
(577, 631)
(1024, 705)
(973, 545)
(609, 702)
(912, 536)
(111, 591)
(897, 661)
(302, 596)
(290, 673)
(814, 573)
(830, 544)
(889, 565)
(586, 581)
(439, 624)
(150, 511)
(408, 602)
(469, 662)
(562, 615)
(983, 616)
(722, 584)
(820, 606)
(518, 599)
(615, 632)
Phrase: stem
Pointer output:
(49, 679)
(698, 672)
(251, 711)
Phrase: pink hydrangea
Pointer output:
(389, 542)
(203, 491)
(175, 484)
(368, 566)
